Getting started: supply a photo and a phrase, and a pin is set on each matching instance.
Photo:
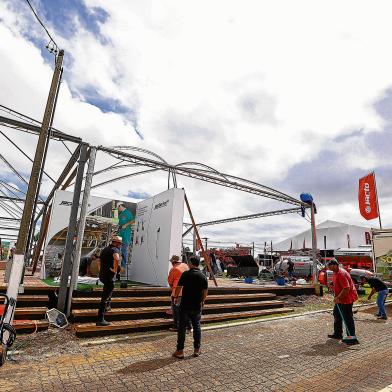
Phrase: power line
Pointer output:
(52, 45)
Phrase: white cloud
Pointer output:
(250, 88)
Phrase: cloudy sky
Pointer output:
(295, 95)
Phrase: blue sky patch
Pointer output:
(63, 15)
(138, 195)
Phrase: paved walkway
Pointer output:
(282, 355)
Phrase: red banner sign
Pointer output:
(367, 197)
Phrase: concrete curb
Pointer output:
(125, 338)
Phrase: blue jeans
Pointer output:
(124, 255)
(381, 297)
(184, 316)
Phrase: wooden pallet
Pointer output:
(117, 327)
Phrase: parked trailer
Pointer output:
(360, 257)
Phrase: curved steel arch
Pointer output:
(123, 177)
(141, 172)
(203, 165)
(133, 148)
(152, 153)
(232, 181)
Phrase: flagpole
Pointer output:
(378, 207)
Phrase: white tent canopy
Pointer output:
(337, 235)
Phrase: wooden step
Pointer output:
(29, 326)
(31, 300)
(88, 302)
(148, 291)
(117, 327)
(35, 313)
(160, 311)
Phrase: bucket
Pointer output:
(280, 281)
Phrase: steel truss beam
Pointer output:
(7, 218)
(246, 217)
(30, 128)
(221, 179)
(16, 199)
(23, 153)
(9, 228)
(10, 236)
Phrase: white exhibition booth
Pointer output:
(157, 231)
(157, 236)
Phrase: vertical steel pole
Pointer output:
(67, 260)
(194, 242)
(81, 227)
(378, 207)
(314, 245)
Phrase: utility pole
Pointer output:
(18, 259)
(253, 249)
(33, 221)
(38, 158)
(69, 242)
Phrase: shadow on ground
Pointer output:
(148, 365)
(371, 321)
(146, 339)
(330, 348)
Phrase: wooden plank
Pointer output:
(22, 326)
(31, 311)
(156, 309)
(32, 299)
(95, 300)
(85, 329)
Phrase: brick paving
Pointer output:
(281, 355)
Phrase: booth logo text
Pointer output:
(162, 204)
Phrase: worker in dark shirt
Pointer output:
(109, 262)
(194, 286)
(377, 285)
(85, 263)
(290, 268)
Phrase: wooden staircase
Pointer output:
(145, 309)
(30, 313)
(31, 307)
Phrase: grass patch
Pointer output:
(89, 287)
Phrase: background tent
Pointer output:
(336, 233)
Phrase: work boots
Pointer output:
(102, 323)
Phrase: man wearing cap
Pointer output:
(125, 222)
(194, 286)
(174, 276)
(108, 265)
(345, 296)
